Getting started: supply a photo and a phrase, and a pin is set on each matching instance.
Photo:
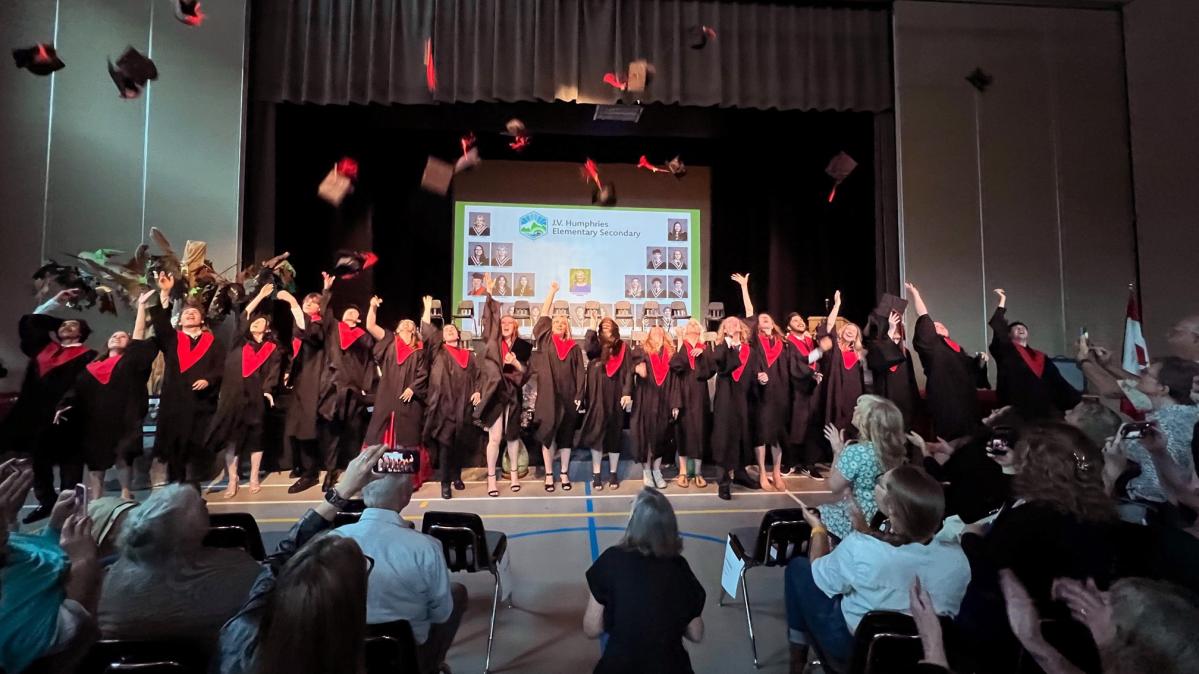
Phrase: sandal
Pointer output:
(597, 482)
(613, 481)
(682, 480)
(514, 487)
(700, 481)
(549, 482)
(493, 493)
(566, 485)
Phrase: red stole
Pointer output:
(849, 359)
(54, 354)
(102, 369)
(295, 347)
(1035, 360)
(348, 335)
(957, 348)
(689, 347)
(461, 356)
(504, 349)
(189, 355)
(614, 362)
(660, 364)
(743, 356)
(403, 350)
(804, 345)
(563, 345)
(251, 360)
(772, 348)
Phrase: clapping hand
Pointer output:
(836, 438)
(928, 625)
(1088, 606)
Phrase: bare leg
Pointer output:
(760, 452)
(231, 471)
(699, 473)
(682, 479)
(547, 458)
(495, 433)
(596, 483)
(513, 457)
(255, 464)
(776, 455)
(564, 459)
(95, 483)
(125, 477)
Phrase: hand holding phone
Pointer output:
(398, 461)
(81, 499)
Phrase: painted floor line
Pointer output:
(503, 499)
(531, 516)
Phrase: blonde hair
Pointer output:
(663, 342)
(880, 423)
(1144, 642)
(742, 328)
(857, 342)
(693, 324)
(411, 330)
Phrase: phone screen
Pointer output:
(81, 499)
(398, 461)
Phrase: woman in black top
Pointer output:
(644, 595)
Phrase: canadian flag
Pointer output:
(1136, 354)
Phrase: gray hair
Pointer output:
(172, 522)
(653, 529)
(391, 491)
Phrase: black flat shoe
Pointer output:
(302, 484)
(330, 480)
(446, 493)
(597, 482)
(724, 492)
(295, 473)
(459, 484)
(566, 485)
(39, 513)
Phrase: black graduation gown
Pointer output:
(650, 425)
(1047, 396)
(604, 420)
(307, 369)
(894, 375)
(351, 371)
(26, 428)
(448, 430)
(842, 385)
(770, 403)
(950, 382)
(502, 392)
(242, 408)
(803, 435)
(184, 414)
(105, 419)
(404, 420)
(732, 439)
(695, 408)
(560, 382)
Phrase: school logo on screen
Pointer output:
(533, 225)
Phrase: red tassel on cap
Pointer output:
(833, 194)
(644, 163)
(430, 69)
(614, 80)
(520, 143)
(592, 172)
(348, 168)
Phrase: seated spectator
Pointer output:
(1167, 383)
(410, 579)
(828, 593)
(326, 633)
(108, 515)
(1061, 524)
(50, 585)
(856, 466)
(644, 595)
(165, 584)
(1138, 626)
(1096, 421)
(976, 478)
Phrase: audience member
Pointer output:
(326, 632)
(1167, 383)
(858, 465)
(165, 583)
(108, 515)
(828, 593)
(1096, 421)
(644, 595)
(50, 582)
(974, 469)
(410, 580)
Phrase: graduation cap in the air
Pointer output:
(602, 194)
(430, 68)
(614, 80)
(350, 263)
(40, 59)
(676, 167)
(339, 181)
(437, 176)
(644, 164)
(188, 11)
(131, 73)
(516, 128)
(470, 154)
(698, 36)
(839, 168)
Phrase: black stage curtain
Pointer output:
(770, 211)
(766, 55)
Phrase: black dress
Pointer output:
(655, 396)
(345, 387)
(695, 409)
(607, 382)
(454, 374)
(951, 385)
(252, 369)
(404, 367)
(1027, 379)
(894, 375)
(732, 441)
(184, 414)
(844, 382)
(558, 370)
(648, 603)
(770, 403)
(108, 403)
(804, 436)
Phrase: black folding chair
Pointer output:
(470, 548)
(782, 536)
(391, 649)
(235, 530)
(144, 657)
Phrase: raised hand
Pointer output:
(554, 286)
(1088, 606)
(288, 297)
(266, 290)
(488, 282)
(376, 301)
(64, 506)
(65, 296)
(911, 288)
(928, 625)
(427, 303)
(836, 298)
(358, 473)
(835, 437)
(1002, 297)
(165, 281)
(144, 298)
(740, 279)
(327, 280)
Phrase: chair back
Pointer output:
(561, 308)
(591, 308)
(466, 309)
(520, 310)
(391, 649)
(678, 311)
(143, 657)
(235, 530)
(886, 641)
(782, 535)
(466, 336)
(435, 309)
(462, 537)
(714, 312)
(711, 337)
(638, 336)
(343, 518)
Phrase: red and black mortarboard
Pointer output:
(40, 59)
(350, 263)
(516, 128)
(602, 194)
(698, 36)
(674, 167)
(470, 154)
(437, 176)
(131, 73)
(839, 168)
(339, 181)
(188, 11)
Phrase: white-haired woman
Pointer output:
(165, 584)
(644, 595)
(693, 366)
